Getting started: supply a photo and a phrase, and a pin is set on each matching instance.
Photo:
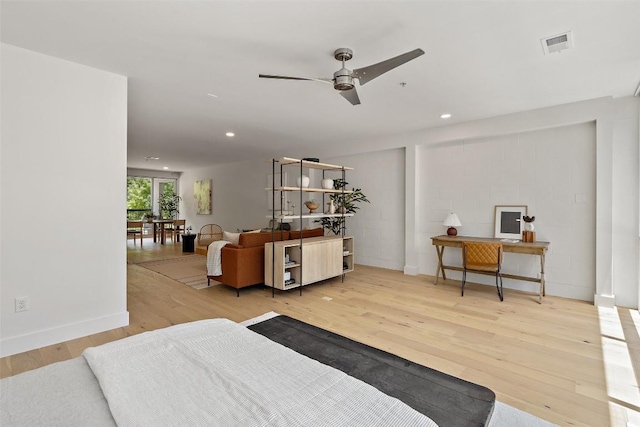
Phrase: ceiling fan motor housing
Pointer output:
(342, 80)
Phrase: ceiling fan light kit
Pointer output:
(343, 79)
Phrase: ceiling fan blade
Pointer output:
(369, 73)
(271, 76)
(351, 95)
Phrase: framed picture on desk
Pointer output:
(508, 221)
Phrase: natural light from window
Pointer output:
(620, 335)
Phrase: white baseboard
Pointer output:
(43, 338)
(604, 301)
(411, 270)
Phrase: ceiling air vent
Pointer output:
(557, 43)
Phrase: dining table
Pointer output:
(160, 223)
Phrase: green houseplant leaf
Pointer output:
(169, 205)
(345, 203)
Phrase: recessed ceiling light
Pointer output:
(230, 134)
(165, 167)
(152, 158)
(445, 116)
(212, 95)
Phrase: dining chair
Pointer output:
(176, 228)
(482, 257)
(135, 228)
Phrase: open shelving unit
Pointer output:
(310, 259)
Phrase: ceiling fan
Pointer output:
(343, 79)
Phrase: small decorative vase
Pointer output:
(327, 184)
(331, 208)
(303, 181)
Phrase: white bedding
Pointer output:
(214, 258)
(216, 372)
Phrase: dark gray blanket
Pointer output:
(447, 400)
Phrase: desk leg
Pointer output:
(162, 235)
(440, 251)
(155, 232)
(542, 280)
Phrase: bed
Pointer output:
(275, 372)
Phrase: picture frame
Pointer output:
(202, 196)
(508, 221)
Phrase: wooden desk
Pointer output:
(534, 248)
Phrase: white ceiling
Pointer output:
(482, 59)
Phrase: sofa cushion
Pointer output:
(231, 237)
(249, 240)
(314, 232)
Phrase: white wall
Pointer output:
(626, 187)
(147, 173)
(617, 222)
(552, 171)
(378, 227)
(240, 201)
(616, 267)
(584, 192)
(239, 198)
(63, 171)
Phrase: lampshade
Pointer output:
(452, 221)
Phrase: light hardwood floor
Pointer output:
(565, 361)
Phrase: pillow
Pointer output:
(254, 231)
(234, 238)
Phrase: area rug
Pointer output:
(189, 269)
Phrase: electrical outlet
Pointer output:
(22, 304)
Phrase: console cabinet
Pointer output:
(322, 258)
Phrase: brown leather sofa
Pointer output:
(243, 264)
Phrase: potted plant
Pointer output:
(148, 216)
(346, 203)
(169, 204)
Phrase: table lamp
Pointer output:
(452, 221)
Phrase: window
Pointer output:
(143, 194)
(138, 197)
(165, 189)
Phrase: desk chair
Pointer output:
(135, 228)
(482, 257)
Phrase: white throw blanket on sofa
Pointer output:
(216, 372)
(214, 258)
